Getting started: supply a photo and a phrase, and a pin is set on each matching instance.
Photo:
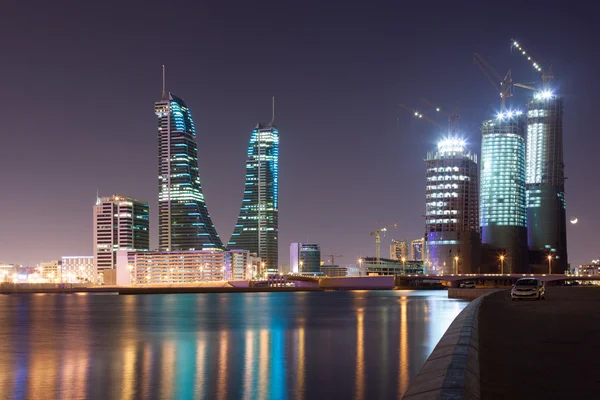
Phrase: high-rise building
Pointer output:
(242, 264)
(502, 202)
(416, 249)
(452, 240)
(305, 258)
(184, 221)
(399, 250)
(545, 180)
(120, 223)
(257, 226)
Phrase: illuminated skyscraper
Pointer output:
(452, 241)
(416, 249)
(545, 179)
(184, 222)
(305, 258)
(399, 250)
(120, 223)
(257, 228)
(502, 203)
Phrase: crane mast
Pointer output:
(377, 235)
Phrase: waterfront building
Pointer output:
(416, 249)
(78, 269)
(399, 250)
(165, 267)
(334, 270)
(545, 181)
(184, 221)
(502, 201)
(305, 258)
(9, 272)
(387, 266)
(120, 223)
(452, 241)
(593, 268)
(50, 271)
(257, 226)
(242, 264)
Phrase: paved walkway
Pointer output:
(541, 349)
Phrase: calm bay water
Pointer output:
(347, 345)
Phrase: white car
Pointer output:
(468, 285)
(528, 288)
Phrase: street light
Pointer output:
(301, 265)
(549, 264)
(360, 260)
(456, 260)
(502, 264)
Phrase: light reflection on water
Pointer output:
(361, 344)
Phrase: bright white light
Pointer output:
(509, 114)
(519, 113)
(451, 145)
(437, 109)
(416, 114)
(516, 44)
(500, 116)
(545, 95)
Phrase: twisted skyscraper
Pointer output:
(257, 227)
(184, 221)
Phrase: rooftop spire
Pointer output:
(273, 117)
(165, 95)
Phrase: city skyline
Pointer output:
(316, 201)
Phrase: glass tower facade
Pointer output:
(452, 240)
(257, 226)
(184, 221)
(502, 202)
(545, 180)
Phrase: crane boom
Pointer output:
(505, 87)
(546, 74)
(453, 118)
(419, 115)
(333, 256)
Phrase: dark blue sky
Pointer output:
(79, 81)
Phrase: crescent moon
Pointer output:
(574, 221)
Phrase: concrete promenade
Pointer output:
(541, 349)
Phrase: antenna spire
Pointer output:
(273, 115)
(165, 95)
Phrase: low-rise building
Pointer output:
(392, 267)
(50, 271)
(78, 269)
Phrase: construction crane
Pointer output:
(377, 235)
(333, 256)
(453, 118)
(546, 73)
(505, 87)
(419, 115)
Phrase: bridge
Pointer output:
(455, 279)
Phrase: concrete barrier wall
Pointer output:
(452, 369)
(359, 282)
(469, 294)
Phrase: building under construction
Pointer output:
(452, 240)
(545, 179)
(502, 202)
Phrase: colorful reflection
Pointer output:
(270, 346)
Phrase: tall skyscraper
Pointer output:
(257, 226)
(184, 221)
(502, 203)
(120, 223)
(452, 240)
(545, 179)
(399, 250)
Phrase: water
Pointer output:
(347, 345)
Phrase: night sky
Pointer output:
(79, 79)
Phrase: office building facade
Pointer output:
(502, 199)
(452, 240)
(184, 221)
(305, 258)
(257, 226)
(78, 269)
(416, 249)
(120, 223)
(545, 180)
